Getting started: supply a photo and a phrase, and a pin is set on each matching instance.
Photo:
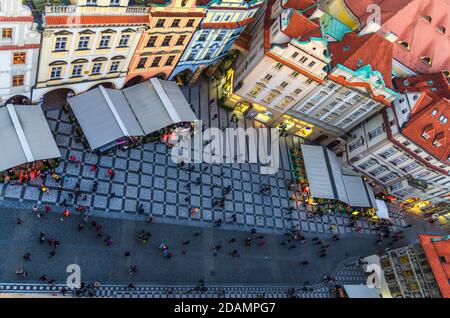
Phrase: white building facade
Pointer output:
(19, 52)
(379, 150)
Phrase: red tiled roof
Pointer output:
(441, 269)
(421, 115)
(405, 19)
(17, 19)
(355, 51)
(301, 27)
(177, 14)
(19, 47)
(96, 20)
(299, 4)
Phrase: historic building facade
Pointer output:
(19, 51)
(218, 30)
(170, 28)
(406, 148)
(287, 59)
(86, 44)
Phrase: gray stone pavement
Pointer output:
(271, 264)
(160, 187)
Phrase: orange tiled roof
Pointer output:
(441, 269)
(421, 115)
(405, 19)
(96, 20)
(302, 28)
(355, 51)
(17, 19)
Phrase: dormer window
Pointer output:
(439, 140)
(405, 83)
(441, 29)
(434, 112)
(405, 44)
(427, 131)
(426, 60)
(443, 119)
(427, 18)
(446, 73)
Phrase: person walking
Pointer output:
(27, 257)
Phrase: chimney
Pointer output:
(372, 27)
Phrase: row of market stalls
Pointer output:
(321, 178)
(111, 117)
(27, 146)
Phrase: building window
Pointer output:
(278, 66)
(367, 164)
(399, 160)
(221, 35)
(256, 90)
(151, 41)
(388, 153)
(181, 39)
(443, 119)
(308, 81)
(104, 42)
(55, 72)
(406, 143)
(60, 44)
(434, 112)
(295, 74)
(114, 67)
(377, 171)
(354, 145)
(17, 80)
(156, 61)
(83, 43)
(76, 70)
(311, 64)
(142, 62)
(303, 59)
(284, 102)
(284, 84)
(160, 23)
(190, 23)
(91, 2)
(203, 36)
(19, 58)
(115, 2)
(169, 60)
(166, 41)
(294, 55)
(268, 77)
(96, 68)
(271, 96)
(388, 177)
(297, 91)
(175, 23)
(123, 42)
(192, 55)
(396, 186)
(427, 18)
(7, 33)
(376, 132)
(410, 167)
(209, 54)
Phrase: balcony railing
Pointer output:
(70, 9)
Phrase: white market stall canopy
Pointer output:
(106, 115)
(25, 136)
(382, 210)
(361, 291)
(326, 180)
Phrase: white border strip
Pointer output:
(165, 100)
(20, 133)
(114, 111)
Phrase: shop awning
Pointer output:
(382, 210)
(24, 136)
(158, 104)
(361, 291)
(327, 181)
(104, 116)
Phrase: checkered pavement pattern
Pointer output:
(349, 272)
(147, 175)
